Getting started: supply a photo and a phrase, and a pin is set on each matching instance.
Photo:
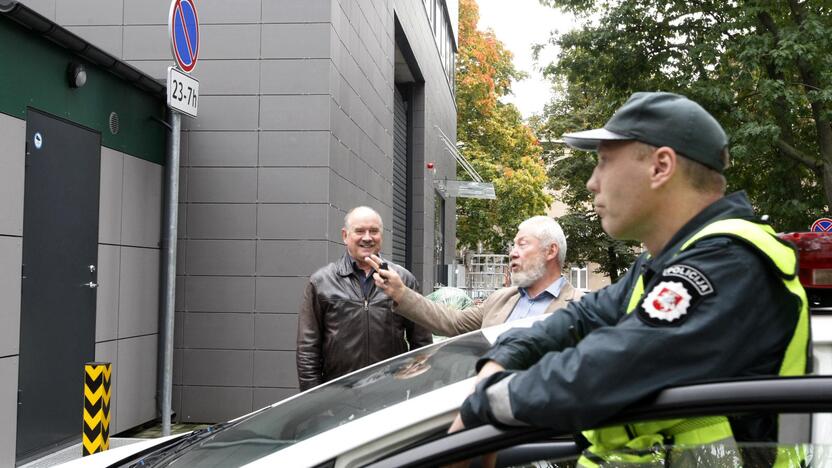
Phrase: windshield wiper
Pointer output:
(177, 445)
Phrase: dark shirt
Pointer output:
(366, 280)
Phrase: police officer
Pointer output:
(714, 296)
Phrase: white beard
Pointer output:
(527, 277)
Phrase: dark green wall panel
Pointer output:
(33, 74)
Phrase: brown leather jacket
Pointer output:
(339, 330)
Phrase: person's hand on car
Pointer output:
(489, 459)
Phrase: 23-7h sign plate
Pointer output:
(183, 92)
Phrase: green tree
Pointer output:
(763, 68)
(494, 139)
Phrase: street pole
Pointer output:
(168, 293)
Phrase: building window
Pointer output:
(440, 27)
(578, 277)
(437, 18)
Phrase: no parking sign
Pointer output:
(822, 225)
(183, 25)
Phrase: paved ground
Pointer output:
(73, 452)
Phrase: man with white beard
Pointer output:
(537, 285)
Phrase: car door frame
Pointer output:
(776, 394)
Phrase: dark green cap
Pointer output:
(661, 119)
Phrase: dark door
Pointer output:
(401, 178)
(60, 254)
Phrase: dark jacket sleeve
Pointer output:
(310, 340)
(742, 329)
(417, 335)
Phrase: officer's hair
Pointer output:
(548, 232)
(700, 177)
(350, 212)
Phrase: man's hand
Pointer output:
(457, 425)
(388, 280)
(490, 367)
(489, 459)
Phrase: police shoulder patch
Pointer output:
(675, 295)
(692, 276)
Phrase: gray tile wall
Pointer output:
(13, 136)
(11, 257)
(12, 160)
(12, 148)
(127, 317)
(135, 389)
(294, 129)
(8, 409)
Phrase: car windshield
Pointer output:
(338, 402)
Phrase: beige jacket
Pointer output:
(495, 310)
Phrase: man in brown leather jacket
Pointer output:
(536, 261)
(345, 321)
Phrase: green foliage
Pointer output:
(494, 139)
(762, 68)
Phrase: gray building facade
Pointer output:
(307, 109)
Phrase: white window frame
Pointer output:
(579, 277)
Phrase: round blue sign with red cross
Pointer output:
(822, 225)
(183, 26)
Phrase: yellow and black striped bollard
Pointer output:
(96, 433)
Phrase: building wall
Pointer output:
(127, 315)
(295, 128)
(434, 107)
(129, 221)
(12, 149)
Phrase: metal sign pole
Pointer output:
(168, 295)
(182, 95)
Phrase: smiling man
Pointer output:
(344, 322)
(537, 285)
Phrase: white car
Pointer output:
(396, 413)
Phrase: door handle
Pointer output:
(91, 285)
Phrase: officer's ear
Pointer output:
(664, 161)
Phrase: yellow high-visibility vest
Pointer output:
(637, 443)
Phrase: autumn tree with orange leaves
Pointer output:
(493, 137)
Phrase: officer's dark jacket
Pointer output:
(340, 330)
(740, 328)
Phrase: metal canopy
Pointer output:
(466, 189)
(462, 188)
